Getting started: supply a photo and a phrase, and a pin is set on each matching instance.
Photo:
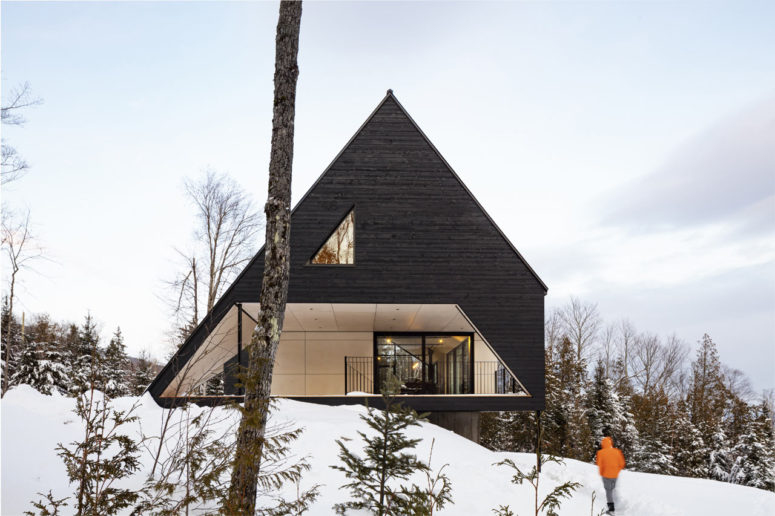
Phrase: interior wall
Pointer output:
(312, 363)
(482, 351)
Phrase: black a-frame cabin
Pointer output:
(395, 268)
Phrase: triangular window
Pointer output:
(339, 249)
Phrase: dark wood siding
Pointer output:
(420, 237)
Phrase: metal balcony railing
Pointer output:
(359, 374)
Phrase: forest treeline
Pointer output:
(55, 357)
(671, 409)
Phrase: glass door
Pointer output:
(425, 363)
(403, 357)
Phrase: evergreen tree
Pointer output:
(373, 478)
(194, 472)
(198, 454)
(10, 344)
(689, 448)
(706, 398)
(85, 359)
(736, 416)
(104, 456)
(655, 457)
(721, 459)
(26, 371)
(490, 433)
(755, 453)
(41, 367)
(43, 329)
(71, 340)
(566, 431)
(48, 505)
(214, 385)
(143, 374)
(507, 431)
(552, 501)
(654, 414)
(116, 369)
(607, 415)
(435, 495)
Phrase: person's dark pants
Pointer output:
(609, 484)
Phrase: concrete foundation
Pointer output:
(462, 423)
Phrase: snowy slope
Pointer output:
(33, 424)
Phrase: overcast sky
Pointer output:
(626, 149)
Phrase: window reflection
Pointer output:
(426, 364)
(339, 249)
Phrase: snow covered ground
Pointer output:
(33, 424)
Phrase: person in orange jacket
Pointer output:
(610, 461)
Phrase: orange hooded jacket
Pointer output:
(610, 460)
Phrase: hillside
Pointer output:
(33, 424)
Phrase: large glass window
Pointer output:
(339, 249)
(425, 364)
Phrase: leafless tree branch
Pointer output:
(13, 165)
(225, 231)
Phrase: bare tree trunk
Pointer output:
(274, 288)
(7, 357)
(195, 319)
(16, 240)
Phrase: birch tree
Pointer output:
(20, 249)
(226, 225)
(262, 349)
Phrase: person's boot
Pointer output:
(610, 508)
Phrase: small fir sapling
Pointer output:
(116, 367)
(436, 493)
(193, 458)
(374, 478)
(296, 507)
(191, 473)
(279, 467)
(104, 456)
(85, 360)
(553, 500)
(48, 507)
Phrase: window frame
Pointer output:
(310, 261)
